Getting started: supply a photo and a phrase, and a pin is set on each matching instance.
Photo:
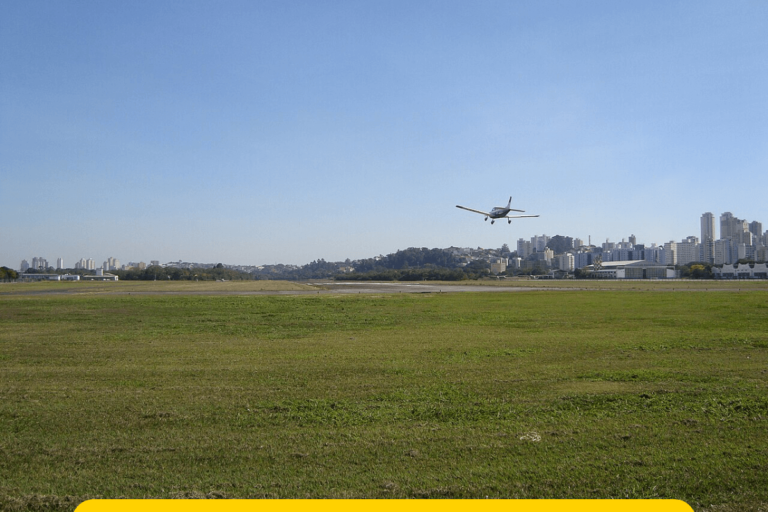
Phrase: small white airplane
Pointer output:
(499, 212)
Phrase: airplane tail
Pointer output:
(509, 206)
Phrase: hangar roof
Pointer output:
(630, 263)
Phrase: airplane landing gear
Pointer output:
(509, 221)
(487, 219)
(493, 221)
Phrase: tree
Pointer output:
(8, 274)
(697, 271)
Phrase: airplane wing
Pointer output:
(519, 216)
(471, 210)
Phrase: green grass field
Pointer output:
(125, 287)
(539, 394)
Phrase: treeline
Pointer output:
(153, 273)
(411, 264)
(422, 274)
(7, 274)
(412, 257)
(474, 270)
(416, 264)
(318, 269)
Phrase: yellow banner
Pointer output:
(384, 506)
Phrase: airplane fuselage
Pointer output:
(499, 213)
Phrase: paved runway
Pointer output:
(348, 287)
(317, 287)
(401, 287)
(335, 288)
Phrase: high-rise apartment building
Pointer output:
(723, 251)
(582, 259)
(546, 256)
(732, 227)
(670, 253)
(539, 243)
(654, 254)
(708, 237)
(727, 224)
(39, 263)
(86, 264)
(111, 264)
(688, 251)
(59, 263)
(707, 250)
(761, 254)
(708, 225)
(524, 248)
(566, 262)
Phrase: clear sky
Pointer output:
(261, 132)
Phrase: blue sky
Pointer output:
(283, 132)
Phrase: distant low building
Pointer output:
(40, 277)
(743, 271)
(49, 277)
(101, 276)
(631, 270)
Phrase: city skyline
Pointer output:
(708, 225)
(285, 132)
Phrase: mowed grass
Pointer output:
(540, 394)
(125, 287)
(618, 284)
